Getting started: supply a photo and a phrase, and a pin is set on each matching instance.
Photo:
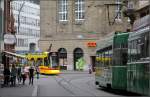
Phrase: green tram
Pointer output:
(111, 61)
(138, 66)
(123, 62)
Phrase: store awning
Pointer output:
(14, 54)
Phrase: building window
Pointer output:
(130, 5)
(118, 9)
(63, 10)
(79, 10)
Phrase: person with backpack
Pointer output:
(31, 75)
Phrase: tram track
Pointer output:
(73, 86)
(61, 85)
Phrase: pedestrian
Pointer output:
(23, 75)
(6, 75)
(90, 68)
(37, 72)
(19, 74)
(13, 74)
(31, 75)
(26, 70)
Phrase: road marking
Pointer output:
(34, 93)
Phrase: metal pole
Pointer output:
(19, 15)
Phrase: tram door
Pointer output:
(78, 53)
(53, 59)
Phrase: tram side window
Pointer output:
(117, 46)
(106, 58)
(103, 57)
(142, 46)
(133, 54)
(110, 57)
(98, 59)
(39, 62)
(124, 58)
(138, 49)
(147, 45)
(117, 57)
(129, 51)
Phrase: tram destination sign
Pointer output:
(9, 39)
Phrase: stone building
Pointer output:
(71, 25)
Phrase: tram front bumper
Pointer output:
(50, 72)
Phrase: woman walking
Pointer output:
(23, 74)
(19, 74)
(37, 72)
(13, 75)
(31, 75)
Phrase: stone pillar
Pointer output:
(87, 61)
(70, 64)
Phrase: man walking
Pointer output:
(37, 72)
(6, 75)
(19, 74)
(31, 75)
(23, 75)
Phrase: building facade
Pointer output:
(27, 24)
(72, 27)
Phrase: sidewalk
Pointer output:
(20, 90)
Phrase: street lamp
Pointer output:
(19, 15)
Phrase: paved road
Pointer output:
(66, 84)
(70, 84)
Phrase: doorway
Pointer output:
(77, 54)
(62, 54)
(92, 62)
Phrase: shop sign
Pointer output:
(9, 39)
(91, 44)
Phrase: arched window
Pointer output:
(77, 54)
(62, 53)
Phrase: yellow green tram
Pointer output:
(44, 62)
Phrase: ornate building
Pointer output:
(74, 26)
